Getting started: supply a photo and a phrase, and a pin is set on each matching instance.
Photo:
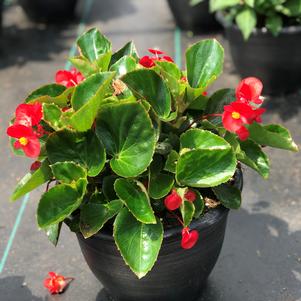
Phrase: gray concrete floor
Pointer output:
(261, 257)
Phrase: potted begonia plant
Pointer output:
(265, 40)
(141, 163)
(193, 15)
(49, 10)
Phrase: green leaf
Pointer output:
(92, 44)
(68, 172)
(273, 135)
(147, 84)
(53, 233)
(82, 148)
(103, 61)
(52, 115)
(129, 137)
(222, 4)
(32, 180)
(228, 195)
(206, 159)
(108, 187)
(160, 185)
(253, 156)
(127, 49)
(52, 90)
(124, 65)
(199, 204)
(246, 20)
(83, 65)
(93, 216)
(294, 7)
(204, 61)
(138, 243)
(274, 24)
(171, 161)
(135, 197)
(187, 210)
(88, 99)
(57, 204)
(218, 100)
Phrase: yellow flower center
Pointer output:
(235, 115)
(23, 141)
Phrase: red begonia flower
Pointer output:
(173, 201)
(205, 93)
(35, 165)
(55, 283)
(29, 114)
(257, 114)
(167, 58)
(69, 78)
(249, 90)
(147, 62)
(26, 139)
(156, 51)
(243, 133)
(190, 196)
(189, 238)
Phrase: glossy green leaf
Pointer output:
(222, 4)
(92, 44)
(52, 115)
(53, 233)
(129, 137)
(82, 148)
(124, 65)
(58, 203)
(103, 61)
(147, 84)
(272, 135)
(187, 210)
(128, 49)
(199, 204)
(204, 62)
(135, 197)
(160, 185)
(88, 99)
(68, 172)
(93, 216)
(228, 195)
(32, 180)
(171, 161)
(252, 155)
(108, 187)
(52, 90)
(138, 243)
(293, 7)
(83, 65)
(246, 20)
(206, 159)
(274, 24)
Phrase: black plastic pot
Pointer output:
(193, 18)
(178, 275)
(275, 60)
(49, 10)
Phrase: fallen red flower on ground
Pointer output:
(56, 283)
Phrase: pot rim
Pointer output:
(262, 30)
(211, 217)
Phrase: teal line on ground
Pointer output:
(81, 28)
(13, 233)
(178, 47)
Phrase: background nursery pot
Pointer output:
(49, 10)
(275, 60)
(195, 18)
(177, 275)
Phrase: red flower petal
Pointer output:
(68, 78)
(147, 62)
(155, 51)
(230, 124)
(190, 196)
(56, 283)
(173, 201)
(18, 131)
(33, 148)
(29, 114)
(167, 58)
(189, 238)
(243, 133)
(249, 89)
